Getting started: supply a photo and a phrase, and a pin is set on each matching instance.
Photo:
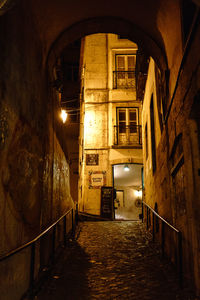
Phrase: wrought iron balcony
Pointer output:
(124, 80)
(128, 135)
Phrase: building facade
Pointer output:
(110, 132)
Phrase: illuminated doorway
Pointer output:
(128, 186)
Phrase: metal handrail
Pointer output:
(12, 252)
(161, 218)
(33, 242)
(178, 232)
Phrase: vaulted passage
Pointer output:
(99, 120)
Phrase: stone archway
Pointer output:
(108, 25)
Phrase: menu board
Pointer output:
(107, 202)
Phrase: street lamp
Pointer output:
(63, 115)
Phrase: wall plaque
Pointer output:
(97, 179)
(92, 159)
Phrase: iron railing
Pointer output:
(124, 80)
(152, 221)
(32, 245)
(128, 135)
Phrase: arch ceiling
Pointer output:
(150, 24)
(109, 25)
(153, 25)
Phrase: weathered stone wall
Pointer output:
(174, 184)
(34, 184)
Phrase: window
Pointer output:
(127, 119)
(153, 141)
(128, 131)
(160, 97)
(124, 76)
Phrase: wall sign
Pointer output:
(92, 159)
(97, 179)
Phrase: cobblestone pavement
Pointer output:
(113, 260)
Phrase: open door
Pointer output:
(128, 185)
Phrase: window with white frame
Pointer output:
(124, 74)
(127, 125)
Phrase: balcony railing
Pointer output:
(128, 135)
(124, 80)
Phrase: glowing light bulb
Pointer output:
(138, 193)
(126, 168)
(63, 115)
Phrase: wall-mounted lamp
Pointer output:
(138, 193)
(126, 168)
(63, 115)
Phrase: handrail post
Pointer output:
(72, 221)
(153, 227)
(76, 214)
(53, 242)
(163, 239)
(180, 265)
(142, 212)
(147, 218)
(64, 231)
(32, 267)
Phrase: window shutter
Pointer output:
(131, 65)
(120, 63)
(133, 121)
(122, 121)
(120, 67)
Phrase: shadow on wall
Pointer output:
(68, 270)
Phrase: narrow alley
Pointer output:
(113, 260)
(99, 120)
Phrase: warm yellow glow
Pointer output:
(89, 118)
(63, 115)
(138, 193)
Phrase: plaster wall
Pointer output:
(96, 63)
